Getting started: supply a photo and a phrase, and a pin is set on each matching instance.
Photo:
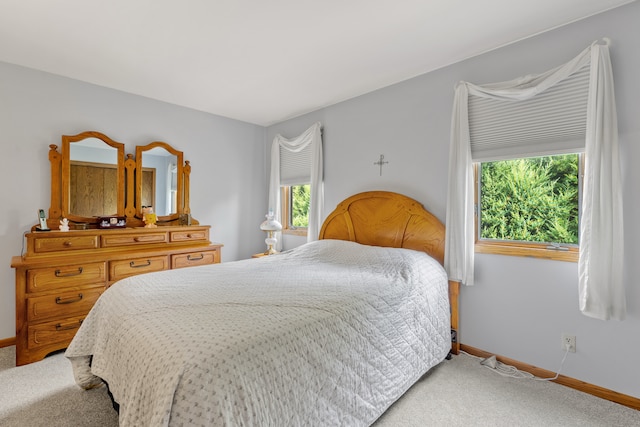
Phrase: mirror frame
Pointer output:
(180, 196)
(67, 140)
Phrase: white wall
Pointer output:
(227, 158)
(519, 307)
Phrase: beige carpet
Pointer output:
(459, 392)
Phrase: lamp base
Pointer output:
(271, 242)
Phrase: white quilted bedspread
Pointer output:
(330, 333)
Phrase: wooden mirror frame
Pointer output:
(60, 177)
(182, 201)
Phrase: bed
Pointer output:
(330, 333)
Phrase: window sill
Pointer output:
(532, 250)
(295, 232)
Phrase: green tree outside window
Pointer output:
(300, 198)
(532, 199)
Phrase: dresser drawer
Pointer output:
(50, 278)
(125, 268)
(55, 244)
(54, 332)
(189, 235)
(61, 305)
(110, 241)
(195, 258)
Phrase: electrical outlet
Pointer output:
(570, 342)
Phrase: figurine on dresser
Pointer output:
(64, 224)
(149, 217)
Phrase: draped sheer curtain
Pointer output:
(601, 287)
(309, 142)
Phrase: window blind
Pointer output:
(295, 167)
(552, 122)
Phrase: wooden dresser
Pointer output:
(62, 274)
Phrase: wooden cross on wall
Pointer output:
(380, 162)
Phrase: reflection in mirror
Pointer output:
(93, 178)
(160, 181)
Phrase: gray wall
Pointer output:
(227, 157)
(519, 307)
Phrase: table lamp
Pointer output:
(270, 225)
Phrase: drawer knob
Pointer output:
(60, 300)
(73, 273)
(61, 327)
(190, 258)
(132, 264)
(67, 243)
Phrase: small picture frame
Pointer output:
(184, 219)
(112, 222)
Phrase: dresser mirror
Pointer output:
(160, 184)
(92, 177)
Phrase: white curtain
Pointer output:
(312, 136)
(601, 232)
(601, 289)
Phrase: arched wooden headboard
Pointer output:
(384, 218)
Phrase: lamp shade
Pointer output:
(270, 224)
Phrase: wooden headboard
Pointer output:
(384, 218)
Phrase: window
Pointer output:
(568, 109)
(295, 185)
(528, 188)
(295, 207)
(529, 206)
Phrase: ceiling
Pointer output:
(265, 61)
